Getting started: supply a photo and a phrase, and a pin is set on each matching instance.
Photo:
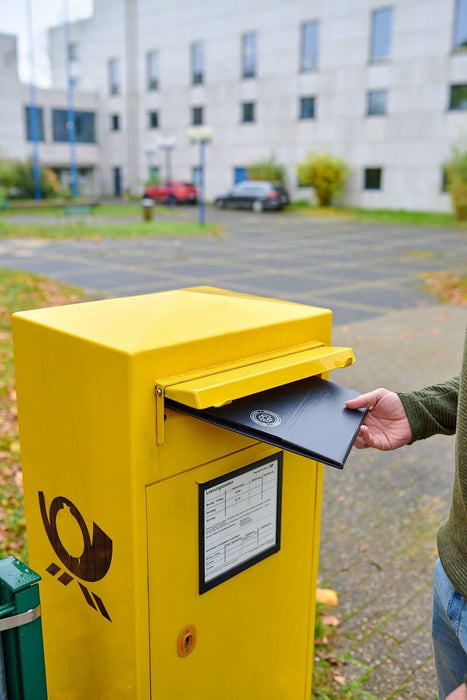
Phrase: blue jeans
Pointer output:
(449, 630)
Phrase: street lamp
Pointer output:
(202, 135)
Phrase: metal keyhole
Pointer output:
(186, 640)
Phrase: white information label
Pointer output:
(240, 518)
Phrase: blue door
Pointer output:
(240, 174)
(117, 182)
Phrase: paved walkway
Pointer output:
(380, 515)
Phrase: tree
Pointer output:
(325, 173)
(267, 169)
(18, 179)
(456, 174)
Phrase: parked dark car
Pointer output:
(254, 194)
(174, 192)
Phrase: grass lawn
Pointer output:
(18, 291)
(382, 216)
(89, 227)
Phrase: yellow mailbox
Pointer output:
(179, 559)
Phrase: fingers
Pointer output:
(365, 439)
(366, 400)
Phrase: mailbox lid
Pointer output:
(220, 388)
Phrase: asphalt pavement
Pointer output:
(381, 513)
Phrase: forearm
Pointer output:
(432, 410)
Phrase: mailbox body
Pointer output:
(112, 480)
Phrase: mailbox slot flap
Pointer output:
(221, 388)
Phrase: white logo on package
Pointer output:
(266, 419)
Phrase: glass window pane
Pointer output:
(114, 78)
(248, 112)
(249, 55)
(196, 175)
(34, 123)
(309, 46)
(153, 120)
(85, 129)
(307, 107)
(152, 70)
(460, 25)
(73, 54)
(372, 179)
(458, 97)
(377, 100)
(197, 116)
(381, 30)
(197, 64)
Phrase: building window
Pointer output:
(152, 70)
(248, 112)
(73, 53)
(115, 122)
(309, 46)
(153, 120)
(381, 31)
(196, 175)
(34, 126)
(458, 97)
(307, 108)
(377, 102)
(154, 173)
(249, 55)
(114, 76)
(197, 64)
(85, 126)
(197, 116)
(372, 179)
(460, 26)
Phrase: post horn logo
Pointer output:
(94, 562)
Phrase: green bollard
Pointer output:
(21, 632)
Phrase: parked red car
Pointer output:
(174, 192)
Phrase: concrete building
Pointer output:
(16, 134)
(381, 85)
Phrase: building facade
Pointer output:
(382, 86)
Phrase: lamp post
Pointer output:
(201, 135)
(33, 115)
(71, 122)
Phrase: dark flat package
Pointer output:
(307, 417)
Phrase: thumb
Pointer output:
(365, 400)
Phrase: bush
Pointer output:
(456, 173)
(325, 173)
(267, 169)
(18, 179)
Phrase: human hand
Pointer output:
(385, 426)
(459, 693)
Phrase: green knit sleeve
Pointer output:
(432, 410)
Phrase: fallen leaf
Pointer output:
(326, 596)
(331, 621)
(339, 678)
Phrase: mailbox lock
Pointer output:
(186, 640)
